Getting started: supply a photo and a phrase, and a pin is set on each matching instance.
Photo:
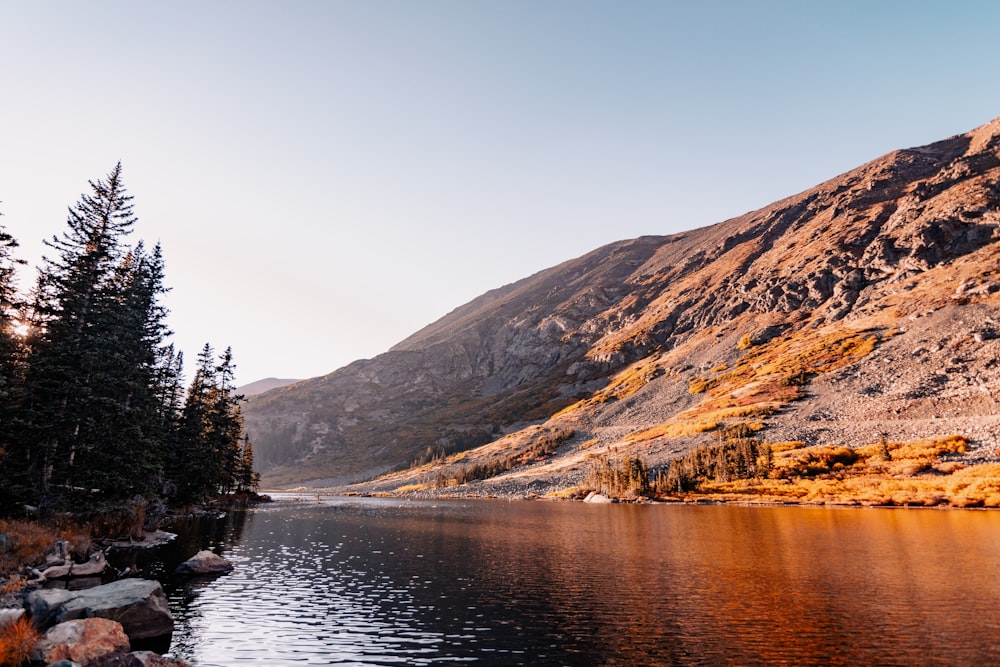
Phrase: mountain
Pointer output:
(864, 307)
(260, 386)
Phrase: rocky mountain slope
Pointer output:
(260, 386)
(866, 306)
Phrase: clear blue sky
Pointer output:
(327, 177)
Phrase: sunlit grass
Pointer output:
(771, 375)
(913, 474)
(672, 430)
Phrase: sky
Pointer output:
(327, 177)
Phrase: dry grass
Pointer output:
(672, 430)
(912, 475)
(622, 385)
(571, 493)
(29, 541)
(771, 375)
(407, 488)
(16, 642)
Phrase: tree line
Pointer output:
(94, 415)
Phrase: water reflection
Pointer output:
(379, 582)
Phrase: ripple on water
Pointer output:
(376, 583)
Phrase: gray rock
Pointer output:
(9, 617)
(44, 605)
(138, 604)
(205, 562)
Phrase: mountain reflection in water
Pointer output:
(382, 582)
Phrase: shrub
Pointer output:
(17, 641)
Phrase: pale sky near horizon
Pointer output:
(327, 177)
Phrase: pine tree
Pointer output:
(189, 463)
(227, 427)
(208, 458)
(91, 401)
(11, 368)
(249, 479)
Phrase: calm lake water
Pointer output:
(389, 582)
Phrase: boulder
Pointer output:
(205, 562)
(598, 498)
(9, 617)
(84, 641)
(43, 606)
(138, 604)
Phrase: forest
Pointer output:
(95, 420)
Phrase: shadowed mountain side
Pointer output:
(592, 338)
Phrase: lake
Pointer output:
(359, 581)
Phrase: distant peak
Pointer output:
(982, 135)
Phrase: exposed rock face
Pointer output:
(84, 641)
(204, 563)
(913, 230)
(138, 604)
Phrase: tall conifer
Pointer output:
(11, 368)
(90, 385)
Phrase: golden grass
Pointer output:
(672, 430)
(914, 475)
(406, 488)
(570, 493)
(16, 642)
(771, 375)
(622, 385)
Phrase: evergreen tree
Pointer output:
(249, 480)
(91, 400)
(227, 426)
(189, 463)
(11, 349)
(209, 457)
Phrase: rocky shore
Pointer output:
(100, 625)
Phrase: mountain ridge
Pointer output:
(519, 355)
